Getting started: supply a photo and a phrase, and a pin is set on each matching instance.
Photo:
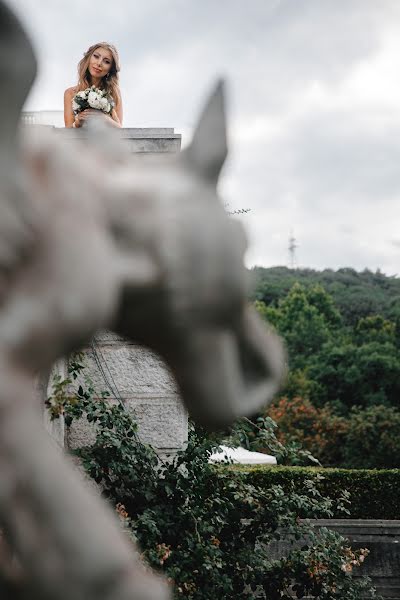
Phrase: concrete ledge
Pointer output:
(381, 537)
(140, 139)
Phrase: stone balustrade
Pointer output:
(139, 140)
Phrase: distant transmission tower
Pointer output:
(292, 251)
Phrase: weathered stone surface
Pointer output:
(55, 427)
(162, 422)
(139, 378)
(381, 537)
(139, 140)
(128, 370)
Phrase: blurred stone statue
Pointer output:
(145, 249)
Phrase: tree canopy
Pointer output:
(342, 332)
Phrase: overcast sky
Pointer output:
(313, 107)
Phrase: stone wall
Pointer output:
(137, 378)
(381, 537)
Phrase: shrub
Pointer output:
(260, 435)
(208, 528)
(318, 430)
(367, 439)
(373, 438)
(373, 494)
(350, 374)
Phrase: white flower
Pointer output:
(93, 97)
(94, 100)
(105, 105)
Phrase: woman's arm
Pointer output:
(70, 119)
(117, 112)
(68, 112)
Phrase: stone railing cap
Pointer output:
(128, 132)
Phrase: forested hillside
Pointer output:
(355, 294)
(341, 400)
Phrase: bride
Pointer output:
(99, 67)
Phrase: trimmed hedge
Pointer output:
(374, 494)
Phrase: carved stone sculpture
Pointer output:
(146, 250)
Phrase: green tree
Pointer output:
(271, 314)
(305, 319)
(372, 438)
(348, 375)
(318, 297)
(355, 294)
(375, 328)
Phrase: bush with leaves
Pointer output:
(374, 493)
(347, 375)
(372, 440)
(206, 527)
(306, 319)
(260, 435)
(318, 430)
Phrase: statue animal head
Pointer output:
(147, 249)
(144, 247)
(192, 305)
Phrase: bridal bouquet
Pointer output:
(92, 98)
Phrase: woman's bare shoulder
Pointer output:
(71, 91)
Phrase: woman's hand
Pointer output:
(83, 116)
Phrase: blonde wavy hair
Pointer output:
(109, 83)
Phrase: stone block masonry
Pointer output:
(381, 537)
(140, 380)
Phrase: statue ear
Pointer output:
(208, 149)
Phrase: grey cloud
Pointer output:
(346, 229)
(319, 172)
(270, 48)
(333, 159)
